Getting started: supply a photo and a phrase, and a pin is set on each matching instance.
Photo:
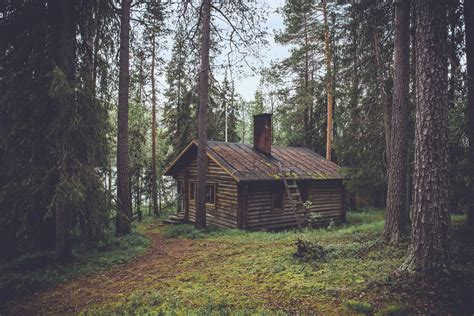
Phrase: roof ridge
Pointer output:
(244, 163)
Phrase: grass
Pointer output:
(242, 272)
(35, 272)
(235, 272)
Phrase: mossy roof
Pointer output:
(244, 163)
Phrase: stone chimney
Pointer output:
(262, 133)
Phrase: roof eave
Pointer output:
(173, 163)
(210, 153)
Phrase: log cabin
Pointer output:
(260, 187)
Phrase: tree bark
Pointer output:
(306, 87)
(469, 20)
(202, 115)
(154, 194)
(396, 216)
(65, 61)
(89, 32)
(329, 86)
(429, 247)
(123, 181)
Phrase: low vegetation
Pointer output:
(35, 272)
(225, 271)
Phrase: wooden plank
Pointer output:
(242, 209)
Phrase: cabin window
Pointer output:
(181, 196)
(303, 188)
(211, 194)
(277, 198)
(192, 191)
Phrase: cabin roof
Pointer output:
(244, 163)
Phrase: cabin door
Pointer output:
(181, 197)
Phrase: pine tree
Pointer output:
(139, 123)
(429, 248)
(202, 115)
(53, 181)
(329, 81)
(154, 192)
(179, 117)
(154, 28)
(301, 30)
(124, 213)
(469, 33)
(396, 215)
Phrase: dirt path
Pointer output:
(160, 262)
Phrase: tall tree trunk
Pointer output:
(306, 86)
(65, 61)
(334, 56)
(411, 109)
(329, 86)
(396, 216)
(154, 193)
(89, 30)
(139, 198)
(469, 20)
(429, 247)
(123, 181)
(202, 115)
(109, 177)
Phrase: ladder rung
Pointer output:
(293, 194)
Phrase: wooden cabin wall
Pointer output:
(224, 213)
(327, 199)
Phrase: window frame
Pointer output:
(192, 197)
(277, 193)
(214, 186)
(304, 191)
(181, 195)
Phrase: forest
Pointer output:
(142, 144)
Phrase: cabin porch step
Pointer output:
(175, 217)
(171, 221)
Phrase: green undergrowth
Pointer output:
(363, 221)
(141, 303)
(34, 272)
(252, 273)
(236, 272)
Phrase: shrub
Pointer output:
(359, 307)
(308, 251)
(394, 310)
(332, 225)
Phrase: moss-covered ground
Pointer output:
(35, 272)
(222, 271)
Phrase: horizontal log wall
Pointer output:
(224, 212)
(326, 196)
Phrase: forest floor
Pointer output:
(223, 271)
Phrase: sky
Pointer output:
(248, 84)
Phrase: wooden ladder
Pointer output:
(294, 195)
